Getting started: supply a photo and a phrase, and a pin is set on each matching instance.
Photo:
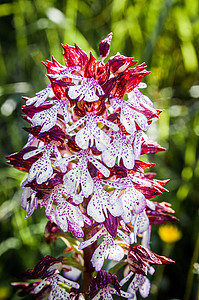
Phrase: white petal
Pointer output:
(116, 253)
(97, 259)
(41, 285)
(68, 282)
(99, 166)
(102, 140)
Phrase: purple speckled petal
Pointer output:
(102, 140)
(132, 200)
(41, 285)
(73, 284)
(93, 239)
(142, 222)
(33, 152)
(127, 118)
(77, 124)
(47, 118)
(103, 201)
(41, 96)
(145, 288)
(41, 170)
(137, 144)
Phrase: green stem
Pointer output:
(190, 274)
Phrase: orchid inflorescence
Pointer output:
(83, 162)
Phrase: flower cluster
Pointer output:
(83, 160)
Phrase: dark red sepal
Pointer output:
(53, 134)
(42, 269)
(30, 110)
(74, 56)
(104, 46)
(16, 159)
(111, 224)
(119, 63)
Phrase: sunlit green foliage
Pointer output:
(164, 34)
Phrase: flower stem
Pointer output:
(88, 252)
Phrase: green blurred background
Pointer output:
(164, 34)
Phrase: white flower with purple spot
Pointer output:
(28, 200)
(107, 292)
(41, 96)
(133, 200)
(129, 117)
(91, 132)
(102, 202)
(139, 282)
(56, 291)
(68, 213)
(140, 102)
(67, 72)
(121, 147)
(47, 118)
(86, 91)
(140, 222)
(42, 169)
(107, 249)
(79, 176)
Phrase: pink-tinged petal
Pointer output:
(137, 144)
(141, 223)
(76, 230)
(145, 288)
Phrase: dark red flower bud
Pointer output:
(74, 56)
(119, 63)
(97, 70)
(149, 146)
(104, 46)
(53, 67)
(138, 255)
